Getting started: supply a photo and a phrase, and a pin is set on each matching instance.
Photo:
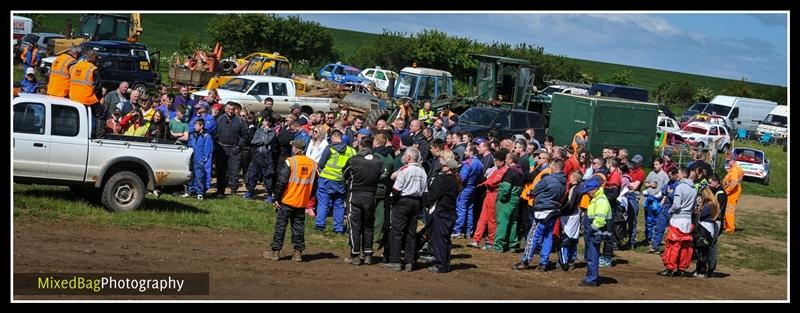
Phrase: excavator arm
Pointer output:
(135, 29)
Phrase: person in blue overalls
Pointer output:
(203, 146)
(471, 171)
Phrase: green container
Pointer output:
(612, 122)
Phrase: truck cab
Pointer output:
(419, 83)
(52, 146)
(505, 79)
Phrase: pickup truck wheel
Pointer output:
(765, 181)
(124, 191)
(141, 88)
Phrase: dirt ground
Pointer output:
(237, 271)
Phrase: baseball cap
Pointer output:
(299, 144)
(540, 150)
(451, 163)
(667, 152)
(364, 131)
(637, 159)
(30, 71)
(593, 183)
(294, 106)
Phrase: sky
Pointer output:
(727, 45)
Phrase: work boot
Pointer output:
(368, 260)
(272, 255)
(394, 266)
(297, 256)
(666, 272)
(355, 260)
(473, 244)
(247, 195)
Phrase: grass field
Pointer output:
(37, 202)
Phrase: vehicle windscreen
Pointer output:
(30, 38)
(716, 109)
(477, 117)
(352, 72)
(698, 107)
(776, 120)
(237, 84)
(406, 86)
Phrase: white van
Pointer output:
(775, 122)
(743, 112)
(22, 27)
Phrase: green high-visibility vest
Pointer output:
(333, 168)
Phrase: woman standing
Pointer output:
(317, 145)
(441, 199)
(158, 126)
(707, 232)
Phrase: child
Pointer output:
(203, 145)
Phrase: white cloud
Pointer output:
(653, 24)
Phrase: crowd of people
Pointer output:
(377, 181)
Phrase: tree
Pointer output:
(674, 93)
(294, 38)
(621, 77)
(703, 94)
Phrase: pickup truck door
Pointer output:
(69, 135)
(31, 143)
(255, 97)
(280, 93)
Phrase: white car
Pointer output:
(705, 135)
(379, 76)
(250, 91)
(667, 124)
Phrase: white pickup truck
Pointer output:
(51, 146)
(250, 91)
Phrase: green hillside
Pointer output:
(164, 32)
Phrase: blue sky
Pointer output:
(724, 45)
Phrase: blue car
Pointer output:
(342, 74)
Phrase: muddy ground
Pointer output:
(237, 271)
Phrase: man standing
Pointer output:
(183, 98)
(506, 206)
(231, 135)
(471, 172)
(261, 167)
(655, 181)
(580, 139)
(425, 113)
(548, 194)
(58, 83)
(598, 212)
(29, 55)
(268, 113)
(438, 129)
(419, 139)
(381, 205)
(407, 192)
(84, 87)
(733, 189)
(293, 188)
(637, 177)
(114, 98)
(331, 182)
(362, 173)
(441, 198)
(678, 250)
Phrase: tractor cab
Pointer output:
(504, 81)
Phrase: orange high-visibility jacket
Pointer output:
(81, 83)
(58, 84)
(301, 181)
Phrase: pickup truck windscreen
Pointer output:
(237, 84)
